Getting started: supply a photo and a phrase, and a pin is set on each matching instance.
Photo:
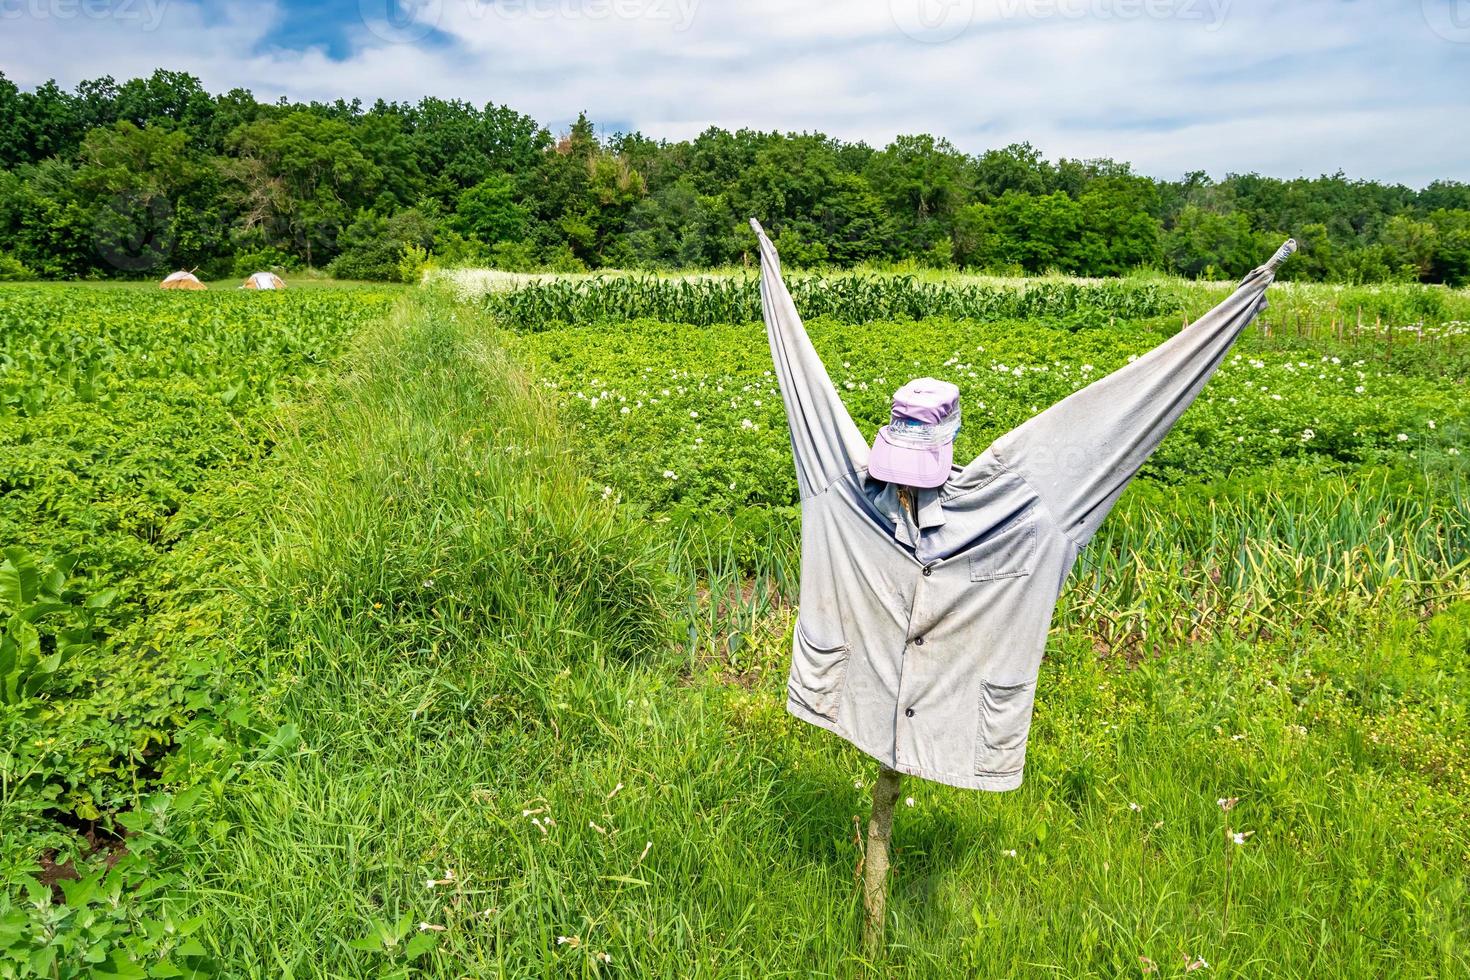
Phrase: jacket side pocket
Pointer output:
(1005, 722)
(818, 674)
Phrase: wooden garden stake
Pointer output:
(880, 824)
(875, 863)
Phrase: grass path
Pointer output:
(505, 768)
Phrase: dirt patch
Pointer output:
(96, 840)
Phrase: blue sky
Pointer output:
(1377, 89)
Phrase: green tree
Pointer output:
(818, 211)
(47, 124)
(373, 245)
(458, 146)
(1118, 229)
(1017, 168)
(46, 229)
(1038, 232)
(679, 227)
(1451, 260)
(1445, 195)
(153, 201)
(1208, 244)
(13, 151)
(297, 179)
(165, 97)
(1411, 244)
(490, 212)
(920, 182)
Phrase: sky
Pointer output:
(1379, 89)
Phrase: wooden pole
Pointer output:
(875, 862)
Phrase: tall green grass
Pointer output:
(434, 595)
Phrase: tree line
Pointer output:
(137, 178)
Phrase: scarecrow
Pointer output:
(927, 588)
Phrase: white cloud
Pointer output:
(1169, 85)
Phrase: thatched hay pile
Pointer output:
(182, 280)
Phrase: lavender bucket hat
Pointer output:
(916, 447)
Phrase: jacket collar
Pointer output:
(905, 529)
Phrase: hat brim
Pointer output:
(926, 468)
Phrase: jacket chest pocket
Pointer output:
(1008, 552)
(818, 673)
(1005, 723)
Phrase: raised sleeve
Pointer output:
(1080, 454)
(824, 439)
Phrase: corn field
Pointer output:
(545, 303)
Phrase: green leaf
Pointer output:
(286, 738)
(45, 607)
(190, 926)
(420, 944)
(27, 640)
(19, 580)
(42, 961)
(119, 967)
(192, 947)
(8, 656)
(54, 582)
(66, 650)
(135, 820)
(183, 801)
(78, 893)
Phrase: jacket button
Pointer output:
(918, 641)
(928, 570)
(908, 712)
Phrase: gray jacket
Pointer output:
(919, 641)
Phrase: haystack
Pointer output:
(182, 280)
(265, 280)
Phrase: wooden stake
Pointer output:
(875, 862)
